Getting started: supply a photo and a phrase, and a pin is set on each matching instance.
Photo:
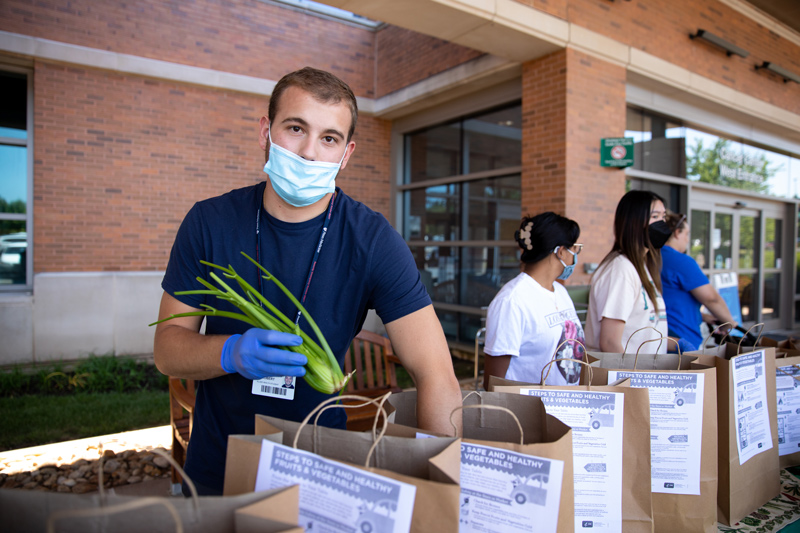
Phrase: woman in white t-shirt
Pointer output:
(626, 288)
(532, 315)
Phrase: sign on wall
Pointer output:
(616, 152)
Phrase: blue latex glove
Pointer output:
(254, 356)
(686, 346)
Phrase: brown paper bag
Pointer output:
(678, 512)
(273, 511)
(637, 508)
(407, 460)
(543, 435)
(742, 487)
(787, 379)
(786, 345)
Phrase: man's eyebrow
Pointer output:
(302, 122)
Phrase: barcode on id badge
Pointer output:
(274, 390)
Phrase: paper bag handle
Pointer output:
(705, 341)
(739, 348)
(636, 359)
(796, 378)
(319, 409)
(543, 377)
(660, 339)
(113, 509)
(547, 366)
(625, 350)
(495, 407)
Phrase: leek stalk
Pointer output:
(323, 372)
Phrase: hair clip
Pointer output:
(525, 236)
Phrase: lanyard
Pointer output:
(313, 261)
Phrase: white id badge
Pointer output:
(276, 387)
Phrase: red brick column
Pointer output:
(570, 101)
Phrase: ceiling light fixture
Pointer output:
(729, 48)
(782, 72)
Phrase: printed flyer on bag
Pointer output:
(753, 434)
(676, 428)
(335, 497)
(508, 492)
(787, 379)
(596, 422)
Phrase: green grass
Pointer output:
(31, 420)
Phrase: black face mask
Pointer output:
(659, 234)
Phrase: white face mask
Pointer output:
(300, 182)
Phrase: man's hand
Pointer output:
(254, 354)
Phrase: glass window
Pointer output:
(494, 208)
(465, 275)
(748, 297)
(666, 146)
(771, 308)
(494, 140)
(452, 227)
(721, 241)
(658, 143)
(14, 173)
(698, 237)
(772, 245)
(435, 211)
(748, 252)
(433, 153)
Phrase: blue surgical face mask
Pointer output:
(568, 269)
(299, 182)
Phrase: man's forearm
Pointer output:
(180, 352)
(436, 400)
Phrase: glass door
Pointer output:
(731, 236)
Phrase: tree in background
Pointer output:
(726, 163)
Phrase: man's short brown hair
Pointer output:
(323, 86)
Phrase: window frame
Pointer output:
(402, 187)
(27, 217)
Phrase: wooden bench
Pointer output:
(370, 355)
(181, 418)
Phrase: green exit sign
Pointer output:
(616, 152)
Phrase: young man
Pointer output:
(334, 254)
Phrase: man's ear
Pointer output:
(351, 146)
(263, 132)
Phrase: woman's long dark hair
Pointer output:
(538, 236)
(631, 239)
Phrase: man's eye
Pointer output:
(328, 139)
(295, 129)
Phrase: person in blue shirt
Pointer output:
(283, 222)
(686, 288)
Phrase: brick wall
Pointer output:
(405, 57)
(119, 160)
(239, 36)
(562, 123)
(593, 191)
(662, 28)
(544, 134)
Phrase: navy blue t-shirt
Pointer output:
(679, 275)
(364, 264)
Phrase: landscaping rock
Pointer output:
(130, 466)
